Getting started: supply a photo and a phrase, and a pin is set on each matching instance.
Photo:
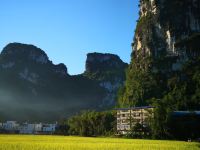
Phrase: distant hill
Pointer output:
(33, 88)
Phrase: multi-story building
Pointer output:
(128, 117)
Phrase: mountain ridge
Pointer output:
(29, 80)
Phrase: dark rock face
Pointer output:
(61, 69)
(24, 51)
(33, 88)
(97, 62)
(109, 71)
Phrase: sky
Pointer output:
(69, 29)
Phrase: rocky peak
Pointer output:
(61, 68)
(24, 51)
(97, 62)
(147, 6)
(29, 58)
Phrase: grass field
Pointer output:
(35, 142)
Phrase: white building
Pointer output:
(27, 128)
(49, 128)
(38, 127)
(10, 126)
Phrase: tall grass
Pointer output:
(35, 142)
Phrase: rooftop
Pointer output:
(134, 108)
(186, 112)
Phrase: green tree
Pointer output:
(159, 125)
(91, 123)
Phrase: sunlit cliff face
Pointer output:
(166, 27)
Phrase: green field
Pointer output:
(35, 142)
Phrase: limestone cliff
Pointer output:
(167, 36)
(168, 28)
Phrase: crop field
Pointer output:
(35, 142)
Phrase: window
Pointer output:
(136, 114)
(124, 121)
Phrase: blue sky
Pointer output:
(69, 29)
